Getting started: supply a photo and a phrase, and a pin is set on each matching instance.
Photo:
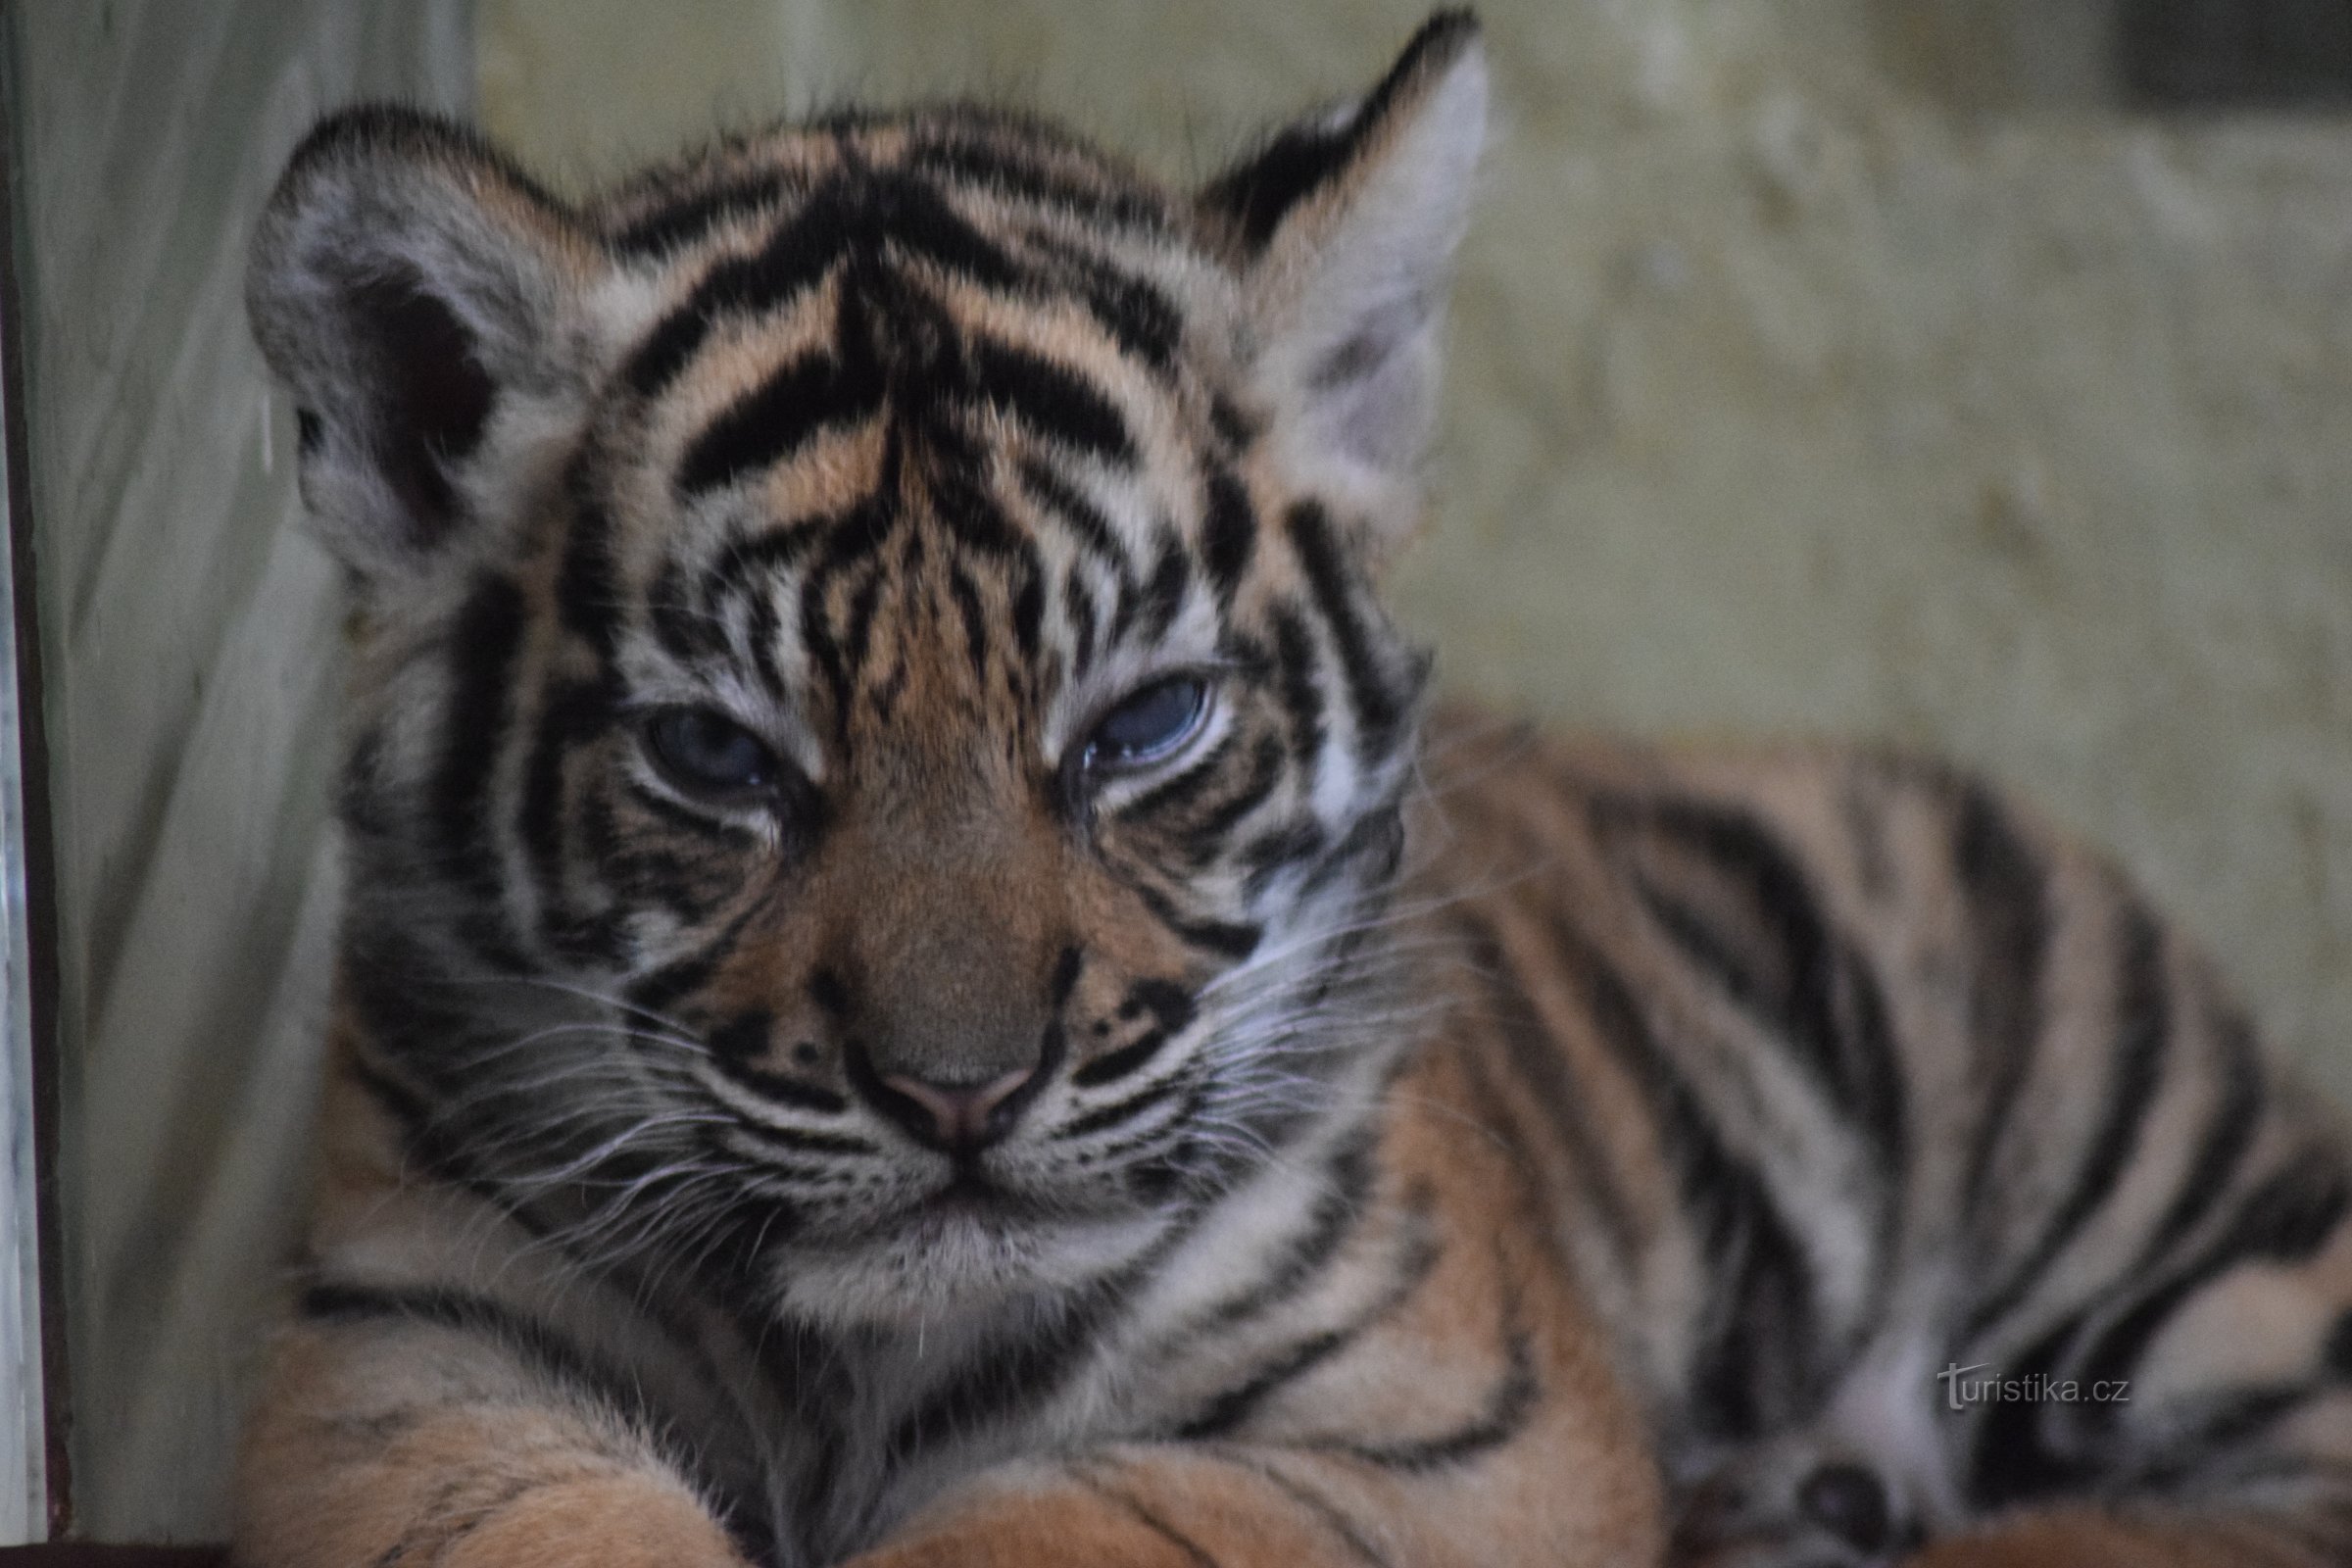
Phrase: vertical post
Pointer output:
(33, 1497)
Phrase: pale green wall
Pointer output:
(1826, 365)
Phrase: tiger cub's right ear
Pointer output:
(409, 288)
(1343, 228)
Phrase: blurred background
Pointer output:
(1970, 373)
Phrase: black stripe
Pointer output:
(1179, 790)
(733, 1255)
(1379, 711)
(538, 1345)
(856, 627)
(974, 618)
(1051, 492)
(776, 418)
(483, 647)
(1540, 1068)
(1029, 615)
(1008, 170)
(656, 990)
(1233, 427)
(1286, 171)
(786, 1141)
(792, 262)
(2284, 1220)
(1228, 532)
(587, 594)
(1007, 1377)
(745, 1035)
(1117, 1064)
(1051, 399)
(1231, 1409)
(2143, 1028)
(1757, 1357)
(1171, 1007)
(2011, 1459)
(1326, 1512)
(2230, 1134)
(1206, 837)
(686, 631)
(683, 222)
(1508, 1405)
(1347, 1183)
(2004, 886)
(1066, 968)
(1306, 157)
(1737, 903)
(686, 819)
(1225, 939)
(572, 713)
(1270, 853)
(1138, 314)
(732, 1059)
(1131, 1505)
(916, 216)
(1295, 667)
(1078, 610)
(1111, 1116)
(1159, 600)
(750, 563)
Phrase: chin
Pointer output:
(938, 1264)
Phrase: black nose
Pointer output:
(957, 1118)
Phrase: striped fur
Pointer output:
(916, 988)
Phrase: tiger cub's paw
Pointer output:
(592, 1522)
(1793, 1511)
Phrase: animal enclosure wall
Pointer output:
(1845, 367)
(188, 648)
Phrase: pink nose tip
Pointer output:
(963, 1115)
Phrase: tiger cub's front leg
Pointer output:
(444, 1393)
(403, 1442)
(1242, 1506)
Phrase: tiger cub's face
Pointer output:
(874, 764)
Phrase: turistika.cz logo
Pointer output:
(1961, 1390)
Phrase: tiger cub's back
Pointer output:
(1892, 1130)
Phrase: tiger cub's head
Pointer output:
(874, 767)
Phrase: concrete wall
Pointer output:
(1831, 365)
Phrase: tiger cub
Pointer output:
(916, 990)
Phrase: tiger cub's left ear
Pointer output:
(1344, 226)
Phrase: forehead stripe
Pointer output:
(778, 417)
(1050, 399)
(1229, 533)
(671, 227)
(788, 266)
(999, 167)
(847, 214)
(1053, 493)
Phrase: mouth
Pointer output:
(969, 1195)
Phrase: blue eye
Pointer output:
(708, 754)
(1150, 724)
